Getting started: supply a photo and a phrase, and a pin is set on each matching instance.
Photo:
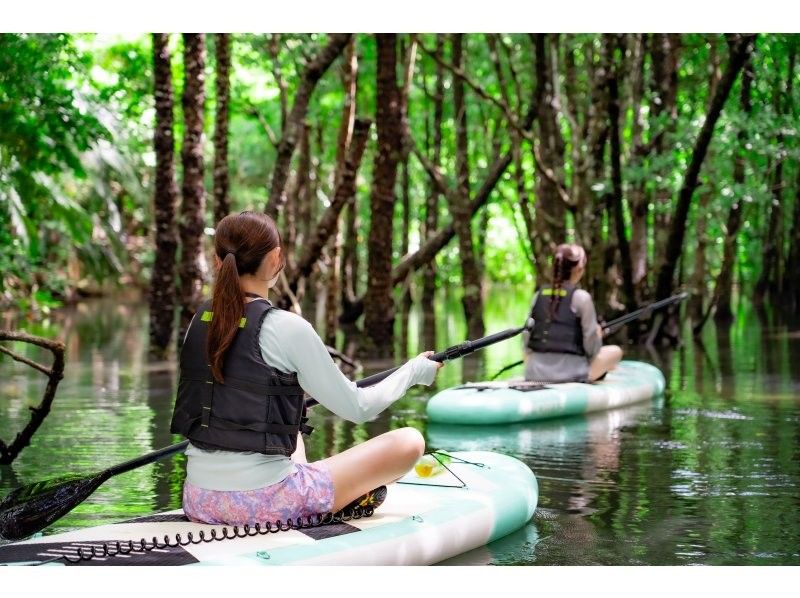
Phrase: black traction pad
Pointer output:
(51, 552)
(521, 387)
(329, 531)
(34, 554)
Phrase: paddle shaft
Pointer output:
(448, 354)
(638, 313)
(161, 453)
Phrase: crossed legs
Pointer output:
(373, 463)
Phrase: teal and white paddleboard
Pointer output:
(423, 521)
(512, 401)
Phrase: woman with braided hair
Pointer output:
(566, 343)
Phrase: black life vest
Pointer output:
(257, 408)
(560, 334)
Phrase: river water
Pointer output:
(707, 474)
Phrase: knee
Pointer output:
(610, 354)
(411, 443)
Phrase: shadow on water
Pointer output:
(707, 475)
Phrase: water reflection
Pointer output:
(105, 412)
(575, 460)
(708, 476)
(517, 548)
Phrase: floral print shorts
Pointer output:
(305, 492)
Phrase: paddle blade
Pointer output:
(30, 509)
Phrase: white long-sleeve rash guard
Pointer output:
(290, 344)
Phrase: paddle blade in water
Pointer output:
(32, 508)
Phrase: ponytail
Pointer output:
(241, 242)
(227, 307)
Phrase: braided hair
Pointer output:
(565, 260)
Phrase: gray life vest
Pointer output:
(560, 334)
(257, 409)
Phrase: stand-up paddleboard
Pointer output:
(484, 497)
(516, 401)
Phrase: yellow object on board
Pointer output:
(430, 465)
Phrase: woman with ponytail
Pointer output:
(245, 367)
(566, 343)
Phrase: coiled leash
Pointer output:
(114, 548)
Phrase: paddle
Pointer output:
(614, 325)
(448, 354)
(31, 508)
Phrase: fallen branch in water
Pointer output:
(55, 373)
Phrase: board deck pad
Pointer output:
(53, 551)
(417, 524)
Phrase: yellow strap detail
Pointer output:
(208, 316)
(549, 292)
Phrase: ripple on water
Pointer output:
(713, 414)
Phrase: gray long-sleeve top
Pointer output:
(561, 367)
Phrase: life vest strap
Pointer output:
(224, 424)
(195, 375)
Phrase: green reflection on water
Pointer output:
(707, 475)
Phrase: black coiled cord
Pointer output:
(110, 549)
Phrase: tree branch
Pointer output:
(292, 129)
(740, 51)
(17, 357)
(548, 173)
(253, 111)
(500, 103)
(274, 51)
(9, 452)
(345, 189)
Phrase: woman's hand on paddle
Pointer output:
(426, 369)
(440, 364)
